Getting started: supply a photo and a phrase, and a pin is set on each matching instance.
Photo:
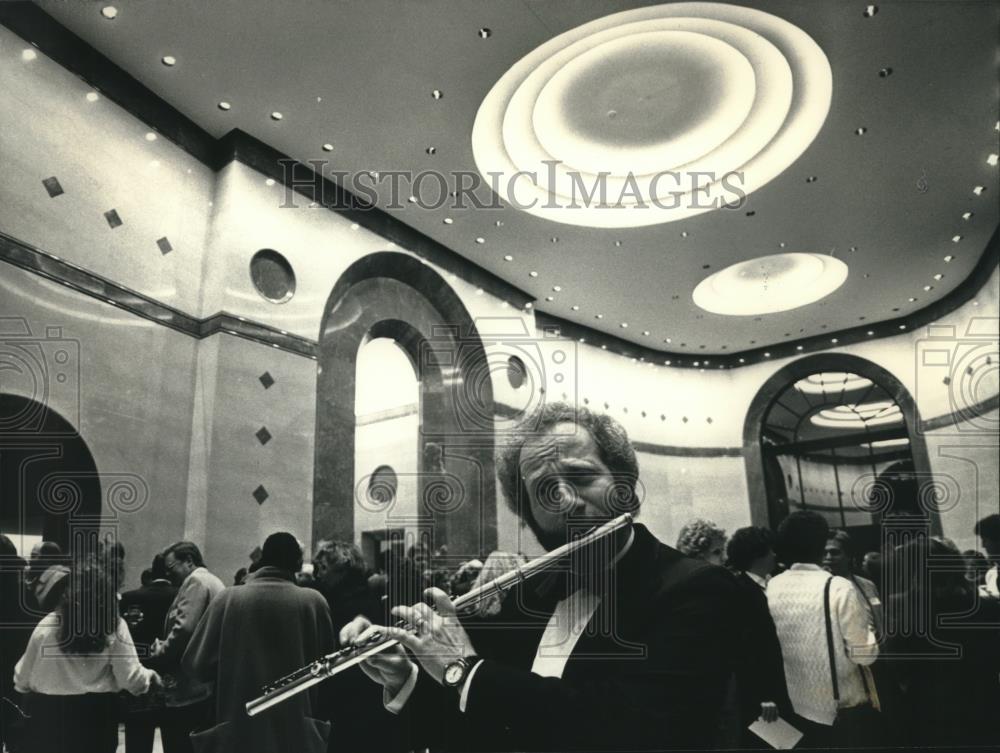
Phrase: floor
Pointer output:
(157, 744)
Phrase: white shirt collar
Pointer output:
(762, 582)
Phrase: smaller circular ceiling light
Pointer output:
(110, 12)
(276, 115)
(885, 73)
(508, 257)
(272, 276)
(533, 274)
(92, 96)
(769, 284)
(485, 33)
(437, 94)
(150, 136)
(169, 60)
(870, 11)
(327, 147)
(28, 55)
(225, 106)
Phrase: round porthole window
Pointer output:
(272, 276)
(382, 485)
(517, 373)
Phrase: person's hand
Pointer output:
(390, 668)
(769, 711)
(157, 648)
(155, 681)
(439, 638)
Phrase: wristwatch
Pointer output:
(456, 672)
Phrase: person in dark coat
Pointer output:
(252, 635)
(15, 629)
(145, 610)
(761, 671)
(630, 648)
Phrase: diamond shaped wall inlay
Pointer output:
(260, 494)
(263, 435)
(113, 219)
(164, 245)
(266, 379)
(52, 186)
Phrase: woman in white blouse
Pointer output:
(78, 658)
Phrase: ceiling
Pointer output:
(360, 77)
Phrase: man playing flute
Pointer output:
(629, 647)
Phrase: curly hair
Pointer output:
(88, 612)
(613, 448)
(748, 544)
(341, 555)
(697, 536)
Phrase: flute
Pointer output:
(335, 663)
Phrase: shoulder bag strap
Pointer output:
(829, 640)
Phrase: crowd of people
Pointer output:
(632, 646)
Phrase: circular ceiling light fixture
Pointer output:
(769, 284)
(643, 104)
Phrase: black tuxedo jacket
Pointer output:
(649, 672)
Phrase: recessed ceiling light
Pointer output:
(554, 239)
(618, 244)
(480, 241)
(911, 299)
(956, 238)
(269, 182)
(533, 274)
(549, 298)
(557, 288)
(28, 55)
(938, 276)
(646, 332)
(169, 60)
(870, 333)
(928, 287)
(853, 249)
(684, 233)
(110, 12)
(355, 226)
(870, 11)
(902, 326)
(329, 148)
(834, 340)
(575, 308)
(978, 190)
(276, 115)
(447, 220)
(743, 360)
(975, 303)
(770, 284)
(508, 257)
(498, 223)
(667, 362)
(861, 131)
(412, 199)
(150, 136)
(92, 96)
(992, 160)
(811, 179)
(797, 347)
(885, 72)
(437, 94)
(967, 216)
(529, 305)
(604, 347)
(598, 316)
(767, 355)
(224, 106)
(948, 258)
(485, 33)
(624, 325)
(431, 150)
(696, 363)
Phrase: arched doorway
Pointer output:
(393, 295)
(836, 434)
(49, 484)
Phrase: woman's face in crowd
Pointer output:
(716, 552)
(835, 559)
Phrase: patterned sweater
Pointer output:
(795, 599)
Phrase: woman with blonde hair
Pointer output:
(703, 540)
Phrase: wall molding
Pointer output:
(33, 24)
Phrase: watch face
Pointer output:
(453, 673)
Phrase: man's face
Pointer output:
(177, 569)
(566, 480)
(834, 558)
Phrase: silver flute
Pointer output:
(335, 663)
